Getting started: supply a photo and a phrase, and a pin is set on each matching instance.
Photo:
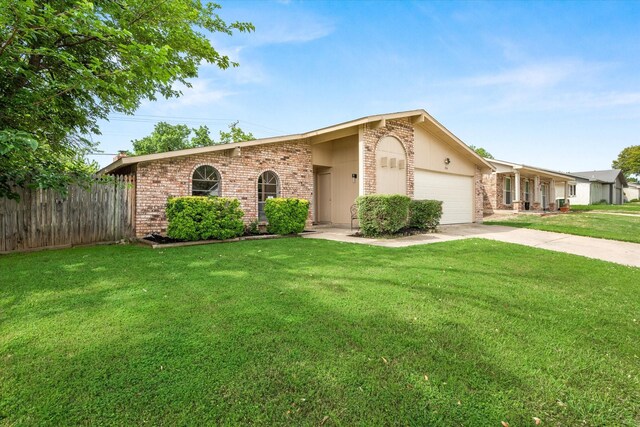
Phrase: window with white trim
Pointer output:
(572, 190)
(508, 194)
(205, 181)
(268, 187)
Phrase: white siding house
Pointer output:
(632, 192)
(596, 186)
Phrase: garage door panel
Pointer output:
(455, 192)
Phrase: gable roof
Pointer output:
(608, 176)
(419, 116)
(532, 169)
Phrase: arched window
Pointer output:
(268, 187)
(205, 181)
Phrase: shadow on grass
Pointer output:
(292, 332)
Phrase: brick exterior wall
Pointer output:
(479, 199)
(489, 192)
(493, 192)
(402, 129)
(158, 180)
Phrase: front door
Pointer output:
(324, 197)
(544, 189)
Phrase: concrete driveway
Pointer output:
(607, 250)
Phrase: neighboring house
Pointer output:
(407, 153)
(519, 187)
(632, 192)
(596, 186)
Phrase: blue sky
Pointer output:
(550, 84)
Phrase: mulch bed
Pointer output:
(156, 240)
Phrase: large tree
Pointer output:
(235, 134)
(168, 137)
(629, 161)
(481, 152)
(65, 64)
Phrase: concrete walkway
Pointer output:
(607, 250)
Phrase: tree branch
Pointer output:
(9, 40)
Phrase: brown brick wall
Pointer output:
(479, 190)
(493, 192)
(160, 179)
(402, 129)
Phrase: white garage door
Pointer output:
(455, 191)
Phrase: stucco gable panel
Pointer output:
(431, 152)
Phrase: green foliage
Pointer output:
(381, 214)
(481, 152)
(425, 214)
(235, 134)
(66, 64)
(201, 137)
(601, 202)
(24, 162)
(286, 215)
(167, 137)
(202, 218)
(629, 162)
(252, 229)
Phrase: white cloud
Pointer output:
(281, 26)
(538, 75)
(200, 94)
(567, 85)
(300, 28)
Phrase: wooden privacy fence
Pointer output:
(102, 212)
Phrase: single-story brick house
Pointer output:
(407, 153)
(518, 187)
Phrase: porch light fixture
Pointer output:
(354, 177)
(447, 160)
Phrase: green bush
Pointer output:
(252, 229)
(425, 214)
(381, 214)
(202, 218)
(286, 215)
(601, 202)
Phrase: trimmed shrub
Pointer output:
(286, 215)
(202, 218)
(252, 229)
(425, 214)
(380, 214)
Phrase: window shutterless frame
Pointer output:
(205, 181)
(507, 191)
(268, 187)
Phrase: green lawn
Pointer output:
(311, 332)
(633, 208)
(604, 226)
